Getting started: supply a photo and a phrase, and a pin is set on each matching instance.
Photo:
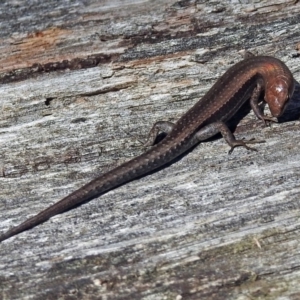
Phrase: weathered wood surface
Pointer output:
(82, 83)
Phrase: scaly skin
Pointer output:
(244, 81)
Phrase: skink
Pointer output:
(246, 80)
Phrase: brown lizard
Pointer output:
(243, 81)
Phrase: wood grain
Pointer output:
(82, 82)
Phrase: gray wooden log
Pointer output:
(82, 82)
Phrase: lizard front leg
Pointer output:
(254, 105)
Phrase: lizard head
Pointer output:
(277, 93)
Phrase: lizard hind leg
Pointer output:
(232, 141)
(219, 126)
(160, 126)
